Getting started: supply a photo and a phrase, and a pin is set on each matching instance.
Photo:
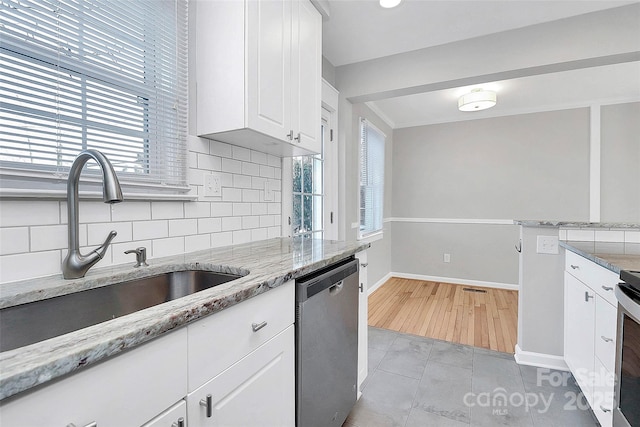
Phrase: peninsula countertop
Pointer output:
(264, 264)
(612, 256)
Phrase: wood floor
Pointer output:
(481, 317)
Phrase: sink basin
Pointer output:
(40, 320)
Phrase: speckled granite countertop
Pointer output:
(269, 263)
(613, 256)
(576, 224)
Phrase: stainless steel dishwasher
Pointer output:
(327, 345)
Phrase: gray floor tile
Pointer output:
(374, 357)
(386, 401)
(491, 416)
(407, 356)
(420, 418)
(545, 377)
(442, 391)
(493, 365)
(562, 407)
(381, 338)
(452, 354)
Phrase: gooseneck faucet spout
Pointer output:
(76, 265)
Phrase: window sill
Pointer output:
(39, 194)
(373, 237)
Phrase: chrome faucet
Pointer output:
(76, 265)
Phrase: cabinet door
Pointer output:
(306, 56)
(363, 321)
(579, 332)
(268, 67)
(259, 390)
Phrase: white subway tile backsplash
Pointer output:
(197, 242)
(231, 194)
(252, 169)
(35, 232)
(167, 210)
(166, 247)
(241, 236)
(14, 240)
(22, 213)
(241, 153)
(222, 239)
(130, 211)
(231, 223)
(609, 236)
(97, 233)
(222, 209)
(231, 166)
(632, 236)
(49, 237)
(580, 235)
(209, 225)
(241, 181)
(183, 227)
(241, 209)
(29, 265)
(249, 222)
(197, 209)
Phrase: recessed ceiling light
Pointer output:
(477, 100)
(388, 4)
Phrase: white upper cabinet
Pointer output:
(258, 73)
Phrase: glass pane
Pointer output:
(307, 211)
(317, 213)
(307, 175)
(296, 217)
(317, 176)
(297, 174)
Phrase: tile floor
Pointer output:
(415, 381)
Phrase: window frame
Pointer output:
(377, 230)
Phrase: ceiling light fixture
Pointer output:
(476, 100)
(388, 4)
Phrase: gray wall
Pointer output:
(620, 157)
(531, 166)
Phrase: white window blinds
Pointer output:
(371, 178)
(104, 74)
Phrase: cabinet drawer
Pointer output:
(126, 390)
(606, 324)
(170, 417)
(256, 391)
(603, 389)
(598, 278)
(223, 338)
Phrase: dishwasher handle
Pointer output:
(328, 277)
(335, 289)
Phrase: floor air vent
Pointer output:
(482, 291)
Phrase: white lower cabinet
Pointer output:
(363, 321)
(127, 390)
(176, 416)
(590, 331)
(256, 391)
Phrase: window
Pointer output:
(103, 74)
(371, 178)
(307, 215)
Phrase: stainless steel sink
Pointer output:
(40, 320)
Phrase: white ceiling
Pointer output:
(359, 30)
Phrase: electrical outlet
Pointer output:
(446, 258)
(547, 245)
(212, 186)
(268, 192)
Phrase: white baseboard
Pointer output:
(379, 283)
(453, 280)
(540, 360)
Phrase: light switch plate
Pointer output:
(212, 185)
(547, 245)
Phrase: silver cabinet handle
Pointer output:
(605, 339)
(290, 135)
(607, 288)
(575, 267)
(257, 326)
(603, 409)
(361, 287)
(298, 139)
(93, 424)
(587, 296)
(179, 423)
(364, 264)
(208, 404)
